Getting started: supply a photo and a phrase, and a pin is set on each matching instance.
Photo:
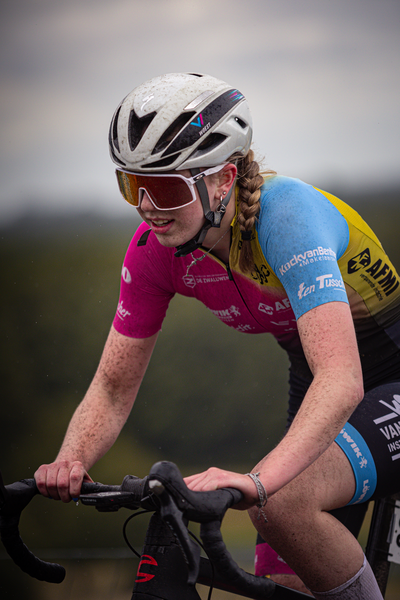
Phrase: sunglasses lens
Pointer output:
(127, 187)
(165, 191)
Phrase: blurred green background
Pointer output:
(211, 396)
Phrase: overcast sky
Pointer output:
(321, 77)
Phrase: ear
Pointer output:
(226, 178)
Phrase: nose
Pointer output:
(146, 204)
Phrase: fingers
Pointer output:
(210, 480)
(61, 480)
(201, 482)
(215, 479)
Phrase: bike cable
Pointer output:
(211, 587)
(142, 512)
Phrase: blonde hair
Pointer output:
(249, 182)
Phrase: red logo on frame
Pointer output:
(145, 560)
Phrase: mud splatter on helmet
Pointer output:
(179, 121)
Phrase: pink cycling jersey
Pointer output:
(309, 249)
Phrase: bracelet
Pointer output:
(262, 495)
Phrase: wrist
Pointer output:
(262, 495)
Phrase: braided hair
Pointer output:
(249, 182)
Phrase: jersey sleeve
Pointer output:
(302, 236)
(146, 287)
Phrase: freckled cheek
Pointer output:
(190, 215)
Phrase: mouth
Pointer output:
(160, 222)
(160, 226)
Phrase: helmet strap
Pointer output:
(213, 218)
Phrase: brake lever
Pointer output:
(171, 514)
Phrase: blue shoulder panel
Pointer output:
(302, 235)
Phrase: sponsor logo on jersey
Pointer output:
(227, 314)
(378, 271)
(269, 310)
(121, 311)
(284, 305)
(189, 281)
(261, 274)
(126, 276)
(359, 262)
(307, 257)
(326, 281)
(323, 281)
(304, 290)
(264, 308)
(244, 328)
(192, 280)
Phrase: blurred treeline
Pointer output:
(211, 396)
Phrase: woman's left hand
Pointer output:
(215, 479)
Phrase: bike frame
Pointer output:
(162, 569)
(162, 572)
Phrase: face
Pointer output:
(175, 227)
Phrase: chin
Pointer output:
(167, 243)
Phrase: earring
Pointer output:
(221, 208)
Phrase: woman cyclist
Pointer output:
(265, 253)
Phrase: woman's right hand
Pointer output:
(61, 480)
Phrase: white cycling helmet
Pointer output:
(179, 121)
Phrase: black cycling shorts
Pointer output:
(371, 441)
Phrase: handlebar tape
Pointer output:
(24, 558)
(196, 506)
(225, 565)
(15, 498)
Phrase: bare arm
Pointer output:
(329, 342)
(100, 416)
(330, 345)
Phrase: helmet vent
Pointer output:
(113, 139)
(137, 128)
(116, 159)
(114, 130)
(240, 122)
(211, 142)
(172, 131)
(164, 162)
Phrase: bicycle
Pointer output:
(170, 563)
